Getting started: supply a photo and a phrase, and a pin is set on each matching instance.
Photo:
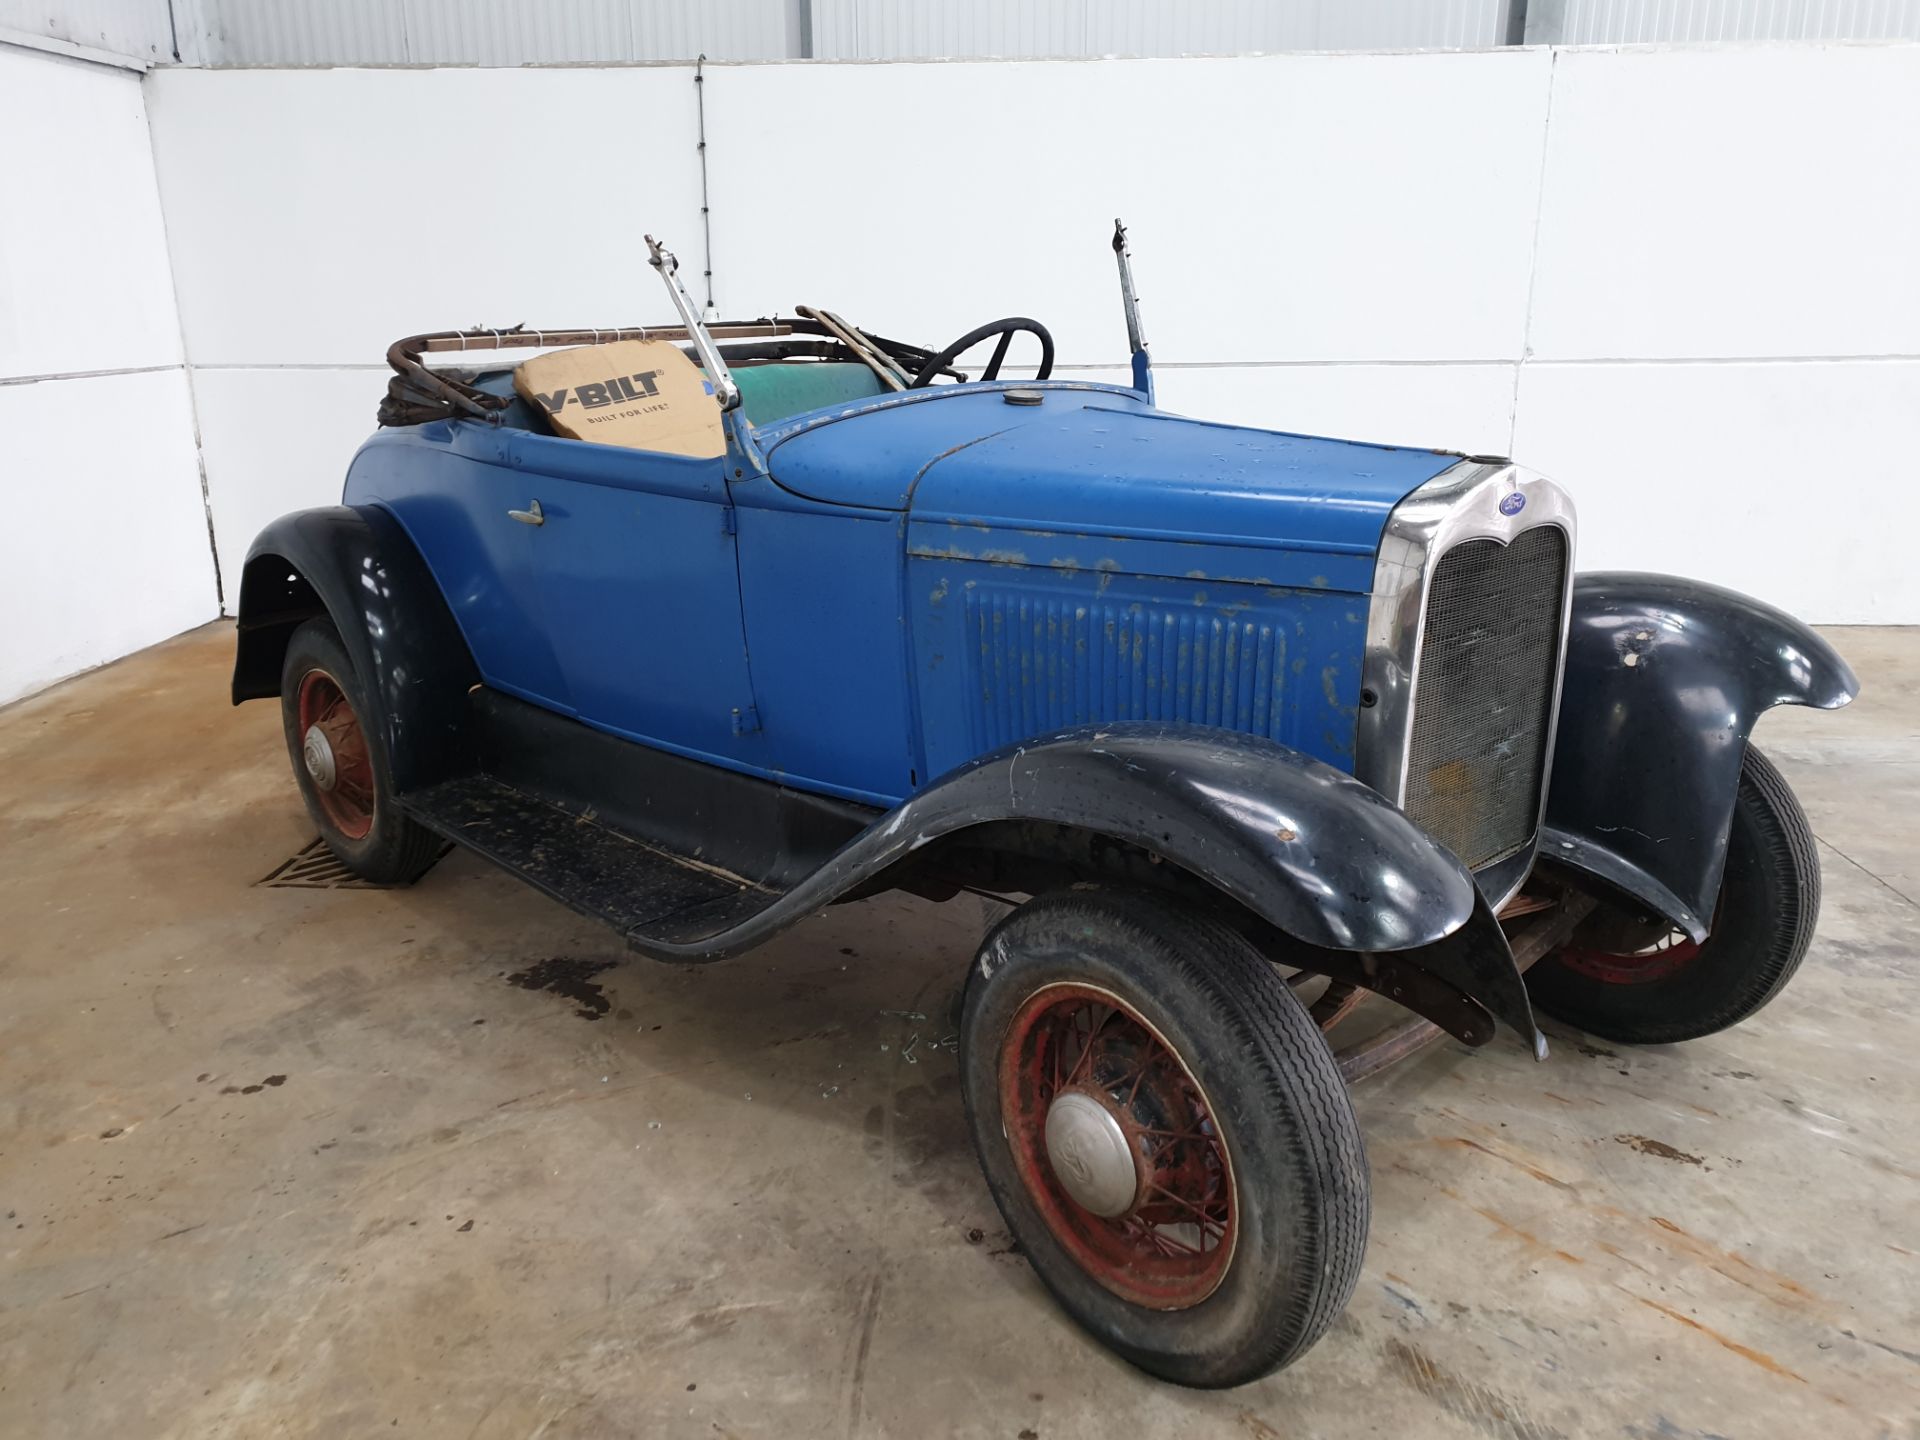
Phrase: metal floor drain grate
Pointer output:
(315, 868)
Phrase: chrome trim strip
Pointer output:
(1463, 502)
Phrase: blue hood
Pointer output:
(1100, 471)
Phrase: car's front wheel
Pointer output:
(341, 765)
(1165, 1133)
(1655, 986)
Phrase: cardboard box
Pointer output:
(640, 394)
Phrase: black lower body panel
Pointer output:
(739, 823)
(597, 870)
(663, 848)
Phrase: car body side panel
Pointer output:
(1665, 679)
(639, 581)
(869, 454)
(1102, 462)
(1143, 474)
(622, 609)
(450, 486)
(1084, 545)
(1004, 652)
(821, 589)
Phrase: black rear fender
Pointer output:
(355, 565)
(1665, 679)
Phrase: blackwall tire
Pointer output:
(991, 912)
(1275, 1170)
(354, 807)
(1769, 904)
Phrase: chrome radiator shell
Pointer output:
(1474, 500)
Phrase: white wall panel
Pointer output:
(253, 474)
(1298, 222)
(318, 216)
(1789, 481)
(1741, 202)
(104, 549)
(1295, 207)
(104, 545)
(1441, 407)
(83, 258)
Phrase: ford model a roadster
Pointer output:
(699, 630)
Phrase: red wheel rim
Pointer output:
(1658, 961)
(1171, 1246)
(335, 755)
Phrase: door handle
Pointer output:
(532, 515)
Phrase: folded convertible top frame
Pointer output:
(418, 394)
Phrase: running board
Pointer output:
(600, 871)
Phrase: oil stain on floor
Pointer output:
(571, 979)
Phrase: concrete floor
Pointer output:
(308, 1162)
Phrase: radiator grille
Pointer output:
(1038, 662)
(1488, 657)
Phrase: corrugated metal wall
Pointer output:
(914, 29)
(137, 28)
(486, 32)
(1645, 22)
(513, 32)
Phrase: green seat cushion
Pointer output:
(773, 392)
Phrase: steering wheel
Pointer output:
(1006, 329)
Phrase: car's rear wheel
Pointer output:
(1648, 987)
(340, 763)
(1165, 1133)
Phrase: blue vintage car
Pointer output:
(1246, 726)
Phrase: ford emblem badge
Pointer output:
(1513, 504)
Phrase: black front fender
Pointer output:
(358, 567)
(1306, 849)
(1665, 678)
(1309, 850)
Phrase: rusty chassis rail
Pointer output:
(1552, 915)
(1558, 918)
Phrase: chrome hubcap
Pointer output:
(1090, 1154)
(317, 751)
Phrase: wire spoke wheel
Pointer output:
(1164, 1131)
(334, 751)
(1645, 984)
(1118, 1146)
(335, 740)
(1666, 957)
